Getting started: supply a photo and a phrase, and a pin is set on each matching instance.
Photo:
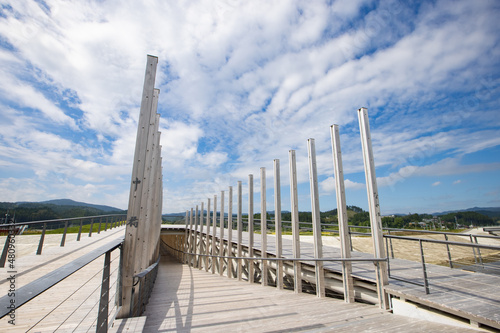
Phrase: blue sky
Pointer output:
(242, 83)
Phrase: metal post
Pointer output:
(250, 229)
(263, 225)
(186, 238)
(63, 239)
(448, 250)
(297, 267)
(102, 318)
(42, 237)
(478, 250)
(190, 237)
(202, 213)
(277, 224)
(230, 233)
(214, 230)
(422, 258)
(91, 227)
(221, 242)
(79, 231)
(100, 222)
(207, 247)
(373, 202)
(345, 245)
(316, 220)
(239, 226)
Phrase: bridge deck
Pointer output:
(186, 299)
(53, 309)
(469, 295)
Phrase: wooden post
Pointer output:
(345, 244)
(294, 204)
(239, 226)
(250, 228)
(373, 202)
(230, 232)
(316, 219)
(214, 242)
(221, 242)
(263, 225)
(134, 225)
(207, 247)
(277, 224)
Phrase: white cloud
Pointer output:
(436, 183)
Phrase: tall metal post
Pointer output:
(230, 232)
(277, 224)
(316, 219)
(263, 225)
(239, 226)
(373, 202)
(207, 247)
(294, 204)
(250, 229)
(134, 226)
(202, 214)
(214, 241)
(221, 241)
(345, 244)
(195, 238)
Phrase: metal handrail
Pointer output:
(11, 235)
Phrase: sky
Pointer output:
(242, 83)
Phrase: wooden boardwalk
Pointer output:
(70, 305)
(187, 299)
(470, 296)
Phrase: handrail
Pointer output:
(11, 226)
(64, 219)
(35, 288)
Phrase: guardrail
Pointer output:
(35, 288)
(476, 248)
(113, 220)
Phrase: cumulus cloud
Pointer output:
(241, 84)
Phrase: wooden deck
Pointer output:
(470, 296)
(187, 299)
(69, 305)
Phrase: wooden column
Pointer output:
(294, 204)
(277, 224)
(316, 219)
(345, 243)
(263, 224)
(373, 204)
(250, 229)
(230, 232)
(239, 226)
(221, 242)
(134, 227)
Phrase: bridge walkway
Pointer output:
(186, 299)
(64, 307)
(467, 296)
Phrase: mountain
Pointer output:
(69, 202)
(488, 211)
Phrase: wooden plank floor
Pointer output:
(54, 310)
(471, 295)
(187, 299)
